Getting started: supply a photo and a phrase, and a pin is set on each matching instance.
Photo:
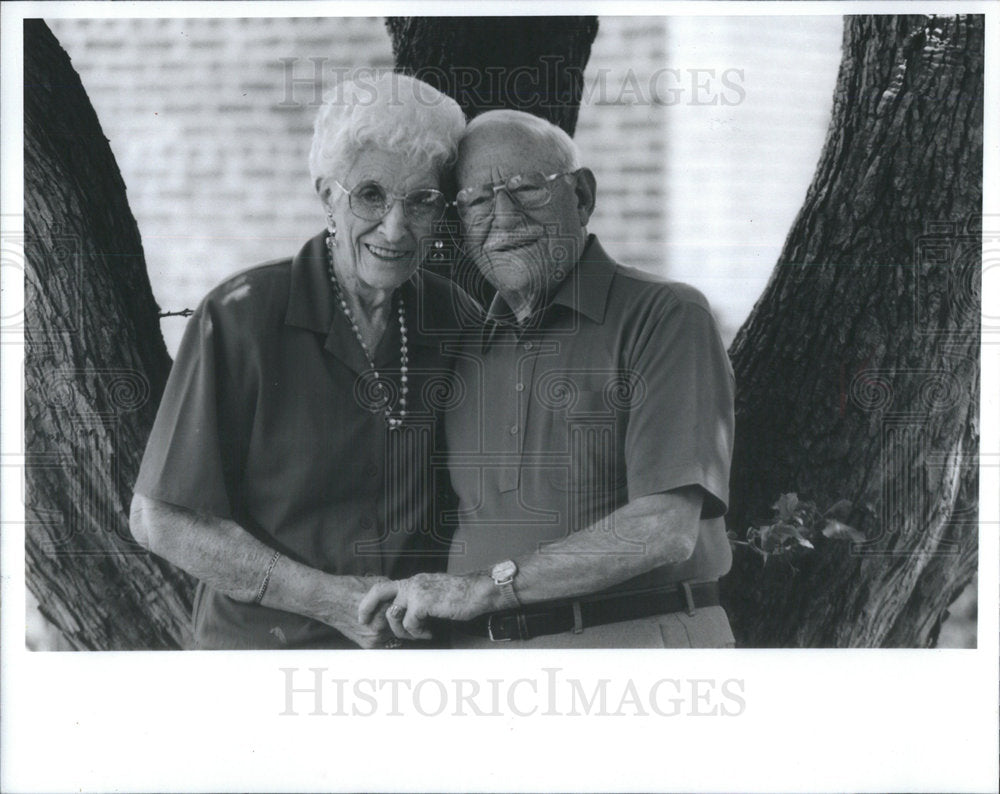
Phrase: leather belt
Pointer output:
(555, 617)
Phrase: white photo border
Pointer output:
(796, 720)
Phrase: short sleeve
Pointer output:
(186, 457)
(680, 429)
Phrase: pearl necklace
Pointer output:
(404, 359)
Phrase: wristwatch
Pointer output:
(503, 574)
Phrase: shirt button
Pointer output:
(519, 387)
(513, 430)
(528, 345)
(371, 470)
(366, 522)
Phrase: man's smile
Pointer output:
(510, 244)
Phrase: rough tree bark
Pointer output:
(95, 366)
(486, 63)
(855, 370)
(858, 370)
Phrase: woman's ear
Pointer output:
(586, 194)
(326, 199)
(323, 191)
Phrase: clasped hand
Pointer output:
(408, 603)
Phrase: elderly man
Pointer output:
(591, 452)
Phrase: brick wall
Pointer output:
(212, 138)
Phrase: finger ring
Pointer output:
(396, 611)
(397, 643)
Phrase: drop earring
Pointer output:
(331, 226)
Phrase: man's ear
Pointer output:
(586, 194)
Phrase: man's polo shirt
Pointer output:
(269, 420)
(619, 389)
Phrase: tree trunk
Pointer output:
(533, 64)
(858, 369)
(95, 366)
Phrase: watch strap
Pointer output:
(503, 577)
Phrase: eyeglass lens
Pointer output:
(529, 191)
(371, 201)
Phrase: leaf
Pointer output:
(838, 530)
(778, 538)
(840, 509)
(786, 505)
(770, 538)
(784, 531)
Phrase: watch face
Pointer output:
(504, 571)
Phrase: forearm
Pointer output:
(230, 560)
(644, 534)
(648, 532)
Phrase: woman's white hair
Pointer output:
(393, 112)
(549, 134)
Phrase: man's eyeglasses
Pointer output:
(527, 191)
(372, 202)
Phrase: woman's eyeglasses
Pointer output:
(527, 191)
(372, 202)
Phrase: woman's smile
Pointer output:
(388, 254)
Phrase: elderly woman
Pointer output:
(289, 467)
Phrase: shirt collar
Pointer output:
(585, 290)
(500, 312)
(309, 302)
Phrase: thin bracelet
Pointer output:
(267, 578)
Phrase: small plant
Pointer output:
(798, 525)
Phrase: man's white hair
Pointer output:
(393, 112)
(544, 131)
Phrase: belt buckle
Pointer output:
(489, 629)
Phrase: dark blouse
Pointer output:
(269, 418)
